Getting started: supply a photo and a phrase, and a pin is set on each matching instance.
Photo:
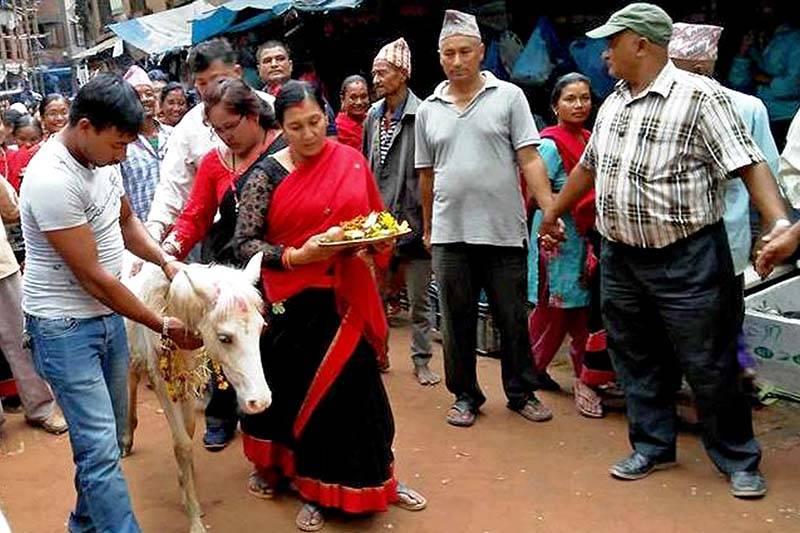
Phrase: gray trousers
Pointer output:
(418, 277)
(37, 399)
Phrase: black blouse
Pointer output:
(251, 225)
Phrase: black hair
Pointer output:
(158, 75)
(238, 98)
(295, 92)
(273, 43)
(49, 99)
(202, 55)
(172, 86)
(563, 81)
(349, 80)
(108, 101)
(27, 121)
(10, 116)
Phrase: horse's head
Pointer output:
(224, 305)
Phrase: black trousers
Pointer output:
(461, 271)
(222, 408)
(670, 312)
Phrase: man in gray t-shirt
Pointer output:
(77, 221)
(473, 136)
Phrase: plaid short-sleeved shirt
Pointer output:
(660, 158)
(141, 170)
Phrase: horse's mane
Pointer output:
(229, 289)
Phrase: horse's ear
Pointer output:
(199, 290)
(253, 269)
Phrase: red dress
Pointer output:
(213, 179)
(349, 131)
(17, 161)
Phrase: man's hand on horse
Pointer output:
(177, 331)
(172, 267)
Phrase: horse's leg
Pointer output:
(182, 447)
(132, 422)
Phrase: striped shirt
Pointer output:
(141, 168)
(660, 158)
(389, 127)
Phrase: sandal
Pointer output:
(461, 415)
(309, 518)
(259, 487)
(587, 401)
(409, 499)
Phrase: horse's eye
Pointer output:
(225, 339)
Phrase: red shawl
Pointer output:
(349, 131)
(333, 187)
(571, 151)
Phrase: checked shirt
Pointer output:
(660, 158)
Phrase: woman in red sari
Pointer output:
(330, 428)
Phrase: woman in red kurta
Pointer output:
(247, 126)
(329, 430)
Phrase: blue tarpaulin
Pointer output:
(161, 32)
(241, 15)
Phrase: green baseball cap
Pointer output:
(648, 20)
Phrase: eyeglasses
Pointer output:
(56, 114)
(222, 131)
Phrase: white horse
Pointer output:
(223, 305)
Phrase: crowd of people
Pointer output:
(631, 238)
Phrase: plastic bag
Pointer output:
(493, 63)
(510, 47)
(534, 66)
(588, 57)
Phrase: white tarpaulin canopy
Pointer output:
(96, 49)
(161, 32)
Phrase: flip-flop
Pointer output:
(304, 516)
(259, 487)
(588, 405)
(461, 415)
(409, 499)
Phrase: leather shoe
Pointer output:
(637, 466)
(748, 484)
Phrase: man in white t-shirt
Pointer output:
(77, 221)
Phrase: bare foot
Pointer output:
(425, 375)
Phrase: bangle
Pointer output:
(164, 328)
(286, 258)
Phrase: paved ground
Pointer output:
(504, 475)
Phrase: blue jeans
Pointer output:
(86, 363)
